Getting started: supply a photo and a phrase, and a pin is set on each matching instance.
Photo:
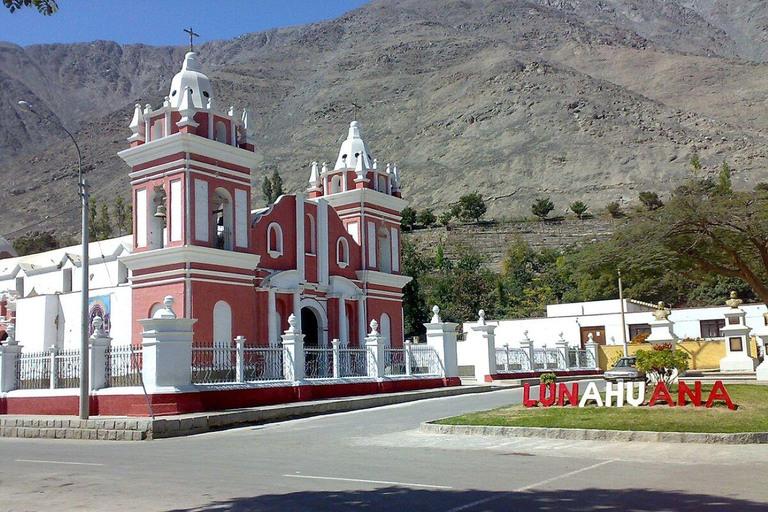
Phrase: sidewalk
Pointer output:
(138, 429)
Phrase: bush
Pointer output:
(542, 207)
(579, 208)
(650, 200)
(407, 218)
(662, 364)
(614, 210)
(471, 207)
(547, 378)
(426, 218)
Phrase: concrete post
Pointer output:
(240, 358)
(375, 347)
(167, 344)
(591, 347)
(562, 348)
(97, 362)
(484, 349)
(408, 357)
(54, 370)
(441, 336)
(9, 358)
(293, 341)
(336, 358)
(738, 352)
(526, 345)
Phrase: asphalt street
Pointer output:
(376, 459)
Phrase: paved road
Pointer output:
(376, 460)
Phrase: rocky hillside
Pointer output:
(518, 99)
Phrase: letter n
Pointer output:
(684, 391)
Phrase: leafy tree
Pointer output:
(272, 188)
(123, 216)
(44, 7)
(724, 180)
(35, 242)
(650, 200)
(266, 190)
(445, 218)
(662, 364)
(426, 218)
(471, 207)
(407, 218)
(542, 208)
(614, 210)
(579, 208)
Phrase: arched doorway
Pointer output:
(317, 363)
(310, 327)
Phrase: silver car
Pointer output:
(625, 369)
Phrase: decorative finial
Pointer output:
(525, 336)
(292, 324)
(561, 337)
(98, 327)
(168, 302)
(436, 315)
(590, 338)
(11, 332)
(374, 327)
(191, 35)
(481, 315)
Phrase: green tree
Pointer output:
(471, 207)
(426, 218)
(724, 180)
(35, 242)
(45, 7)
(579, 208)
(542, 208)
(614, 210)
(272, 188)
(445, 218)
(407, 218)
(650, 200)
(122, 213)
(266, 190)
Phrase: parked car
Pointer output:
(625, 369)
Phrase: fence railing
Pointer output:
(318, 363)
(353, 362)
(580, 359)
(214, 364)
(123, 366)
(424, 360)
(263, 363)
(33, 370)
(511, 360)
(394, 361)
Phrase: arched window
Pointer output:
(275, 240)
(335, 184)
(310, 237)
(342, 252)
(157, 129)
(385, 330)
(221, 132)
(384, 250)
(222, 332)
(221, 209)
(157, 306)
(383, 184)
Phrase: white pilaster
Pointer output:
(322, 243)
(98, 344)
(375, 345)
(300, 249)
(293, 341)
(343, 334)
(441, 336)
(484, 349)
(272, 318)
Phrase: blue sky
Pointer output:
(160, 22)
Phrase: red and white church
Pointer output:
(330, 256)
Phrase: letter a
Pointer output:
(661, 393)
(592, 393)
(719, 393)
(527, 397)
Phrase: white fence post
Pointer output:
(54, 370)
(97, 362)
(240, 358)
(336, 359)
(293, 341)
(375, 346)
(9, 359)
(562, 347)
(485, 351)
(526, 344)
(441, 336)
(167, 354)
(592, 349)
(408, 356)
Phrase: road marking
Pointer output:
(59, 462)
(359, 480)
(531, 486)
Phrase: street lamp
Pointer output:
(83, 194)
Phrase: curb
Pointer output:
(582, 434)
(139, 429)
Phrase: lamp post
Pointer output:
(84, 407)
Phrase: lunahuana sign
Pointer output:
(616, 395)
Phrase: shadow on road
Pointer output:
(406, 499)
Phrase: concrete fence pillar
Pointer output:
(240, 358)
(408, 356)
(54, 371)
(336, 358)
(442, 336)
(376, 354)
(484, 349)
(9, 359)
(562, 348)
(293, 342)
(167, 345)
(591, 347)
(98, 344)
(526, 345)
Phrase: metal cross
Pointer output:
(355, 106)
(191, 35)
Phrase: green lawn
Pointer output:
(751, 415)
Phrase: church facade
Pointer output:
(330, 256)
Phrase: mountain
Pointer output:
(594, 100)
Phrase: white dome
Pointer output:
(352, 149)
(191, 76)
(6, 247)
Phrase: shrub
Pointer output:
(614, 210)
(662, 364)
(547, 378)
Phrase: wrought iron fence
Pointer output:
(214, 364)
(424, 360)
(512, 360)
(263, 363)
(353, 362)
(548, 359)
(123, 366)
(318, 363)
(67, 368)
(580, 359)
(33, 370)
(394, 361)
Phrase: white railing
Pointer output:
(580, 359)
(123, 366)
(214, 364)
(318, 363)
(424, 360)
(510, 360)
(394, 361)
(353, 362)
(263, 363)
(33, 370)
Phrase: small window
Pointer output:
(342, 252)
(711, 328)
(335, 184)
(173, 93)
(275, 240)
(221, 132)
(310, 238)
(205, 93)
(635, 329)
